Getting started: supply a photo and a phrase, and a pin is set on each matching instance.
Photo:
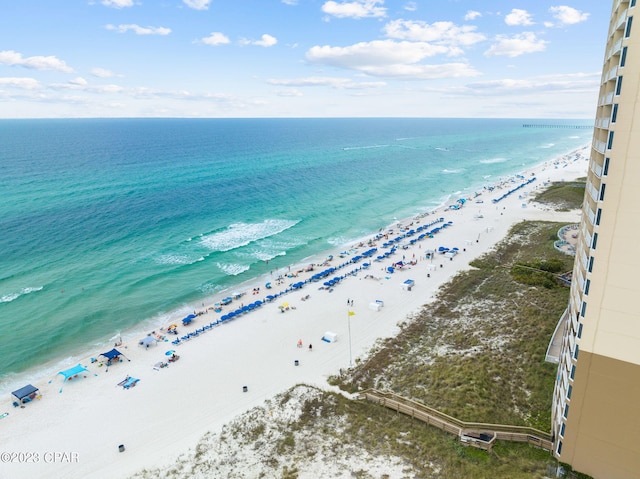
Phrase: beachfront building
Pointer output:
(596, 402)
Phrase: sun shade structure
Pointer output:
(26, 393)
(74, 371)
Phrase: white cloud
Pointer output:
(411, 7)
(516, 45)
(355, 9)
(78, 81)
(518, 17)
(22, 83)
(446, 33)
(11, 58)
(197, 4)
(389, 58)
(535, 85)
(102, 73)
(290, 2)
(117, 3)
(333, 82)
(265, 41)
(215, 39)
(289, 92)
(472, 15)
(138, 30)
(567, 15)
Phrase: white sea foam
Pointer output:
(452, 172)
(491, 161)
(242, 234)
(233, 269)
(7, 298)
(178, 259)
(364, 147)
(548, 145)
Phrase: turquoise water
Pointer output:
(109, 223)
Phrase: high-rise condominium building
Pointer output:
(596, 402)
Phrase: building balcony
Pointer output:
(596, 169)
(615, 49)
(620, 21)
(620, 2)
(599, 146)
(602, 123)
(610, 75)
(606, 99)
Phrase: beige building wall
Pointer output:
(596, 404)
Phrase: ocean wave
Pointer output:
(177, 259)
(441, 149)
(241, 234)
(233, 269)
(364, 147)
(548, 145)
(452, 172)
(490, 161)
(7, 298)
(574, 137)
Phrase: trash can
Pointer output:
(121, 448)
(296, 362)
(245, 389)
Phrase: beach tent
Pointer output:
(72, 372)
(26, 393)
(408, 284)
(330, 337)
(148, 341)
(113, 354)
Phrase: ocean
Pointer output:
(113, 225)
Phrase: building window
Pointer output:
(583, 310)
(590, 268)
(594, 240)
(575, 352)
(579, 330)
(605, 168)
(627, 31)
(569, 391)
(565, 414)
(559, 448)
(633, 3)
(602, 187)
(562, 428)
(610, 140)
(573, 372)
(614, 113)
(623, 57)
(618, 85)
(587, 285)
(598, 216)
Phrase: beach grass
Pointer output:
(563, 196)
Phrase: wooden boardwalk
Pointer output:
(474, 434)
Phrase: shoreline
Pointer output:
(208, 374)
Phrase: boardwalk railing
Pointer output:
(475, 434)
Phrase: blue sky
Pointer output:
(301, 58)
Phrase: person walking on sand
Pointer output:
(310, 348)
(299, 343)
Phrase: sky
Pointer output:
(301, 58)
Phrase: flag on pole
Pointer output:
(351, 313)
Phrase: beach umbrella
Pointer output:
(170, 352)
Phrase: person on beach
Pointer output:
(299, 343)
(310, 348)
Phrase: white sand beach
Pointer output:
(76, 433)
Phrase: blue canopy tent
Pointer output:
(69, 374)
(188, 319)
(113, 356)
(25, 394)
